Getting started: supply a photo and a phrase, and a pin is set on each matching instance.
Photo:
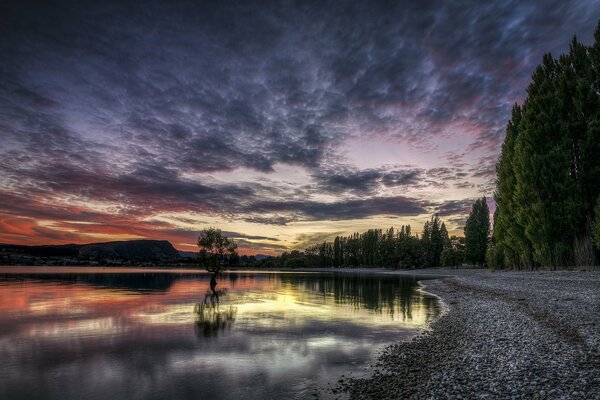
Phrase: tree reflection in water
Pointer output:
(210, 319)
(398, 297)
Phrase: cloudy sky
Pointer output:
(283, 123)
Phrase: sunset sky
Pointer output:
(282, 123)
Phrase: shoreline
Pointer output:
(503, 335)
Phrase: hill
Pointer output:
(130, 249)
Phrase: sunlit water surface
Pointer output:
(106, 333)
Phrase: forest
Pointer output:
(548, 175)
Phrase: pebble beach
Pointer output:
(503, 335)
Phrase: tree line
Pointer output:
(389, 248)
(548, 175)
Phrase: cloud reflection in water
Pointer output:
(83, 335)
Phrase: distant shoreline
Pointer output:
(429, 273)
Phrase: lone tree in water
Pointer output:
(215, 249)
(477, 231)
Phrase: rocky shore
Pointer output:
(505, 335)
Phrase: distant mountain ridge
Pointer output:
(129, 249)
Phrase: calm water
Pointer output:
(105, 333)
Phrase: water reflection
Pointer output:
(138, 282)
(210, 318)
(86, 333)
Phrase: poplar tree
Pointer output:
(477, 231)
(337, 252)
(596, 225)
(446, 244)
(436, 243)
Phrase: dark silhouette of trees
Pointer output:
(477, 231)
(216, 250)
(548, 174)
(596, 227)
(380, 248)
(454, 253)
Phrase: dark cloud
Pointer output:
(237, 235)
(463, 185)
(454, 207)
(146, 190)
(342, 210)
(136, 103)
(210, 87)
(457, 211)
(485, 168)
(367, 181)
(456, 160)
(447, 173)
(150, 189)
(361, 182)
(277, 220)
(402, 178)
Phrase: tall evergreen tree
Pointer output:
(477, 231)
(436, 243)
(445, 238)
(596, 226)
(509, 232)
(337, 252)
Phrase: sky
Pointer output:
(282, 123)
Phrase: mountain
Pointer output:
(130, 249)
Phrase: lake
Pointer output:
(132, 333)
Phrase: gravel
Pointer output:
(504, 335)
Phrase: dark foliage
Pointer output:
(549, 170)
(378, 248)
(477, 231)
(216, 250)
